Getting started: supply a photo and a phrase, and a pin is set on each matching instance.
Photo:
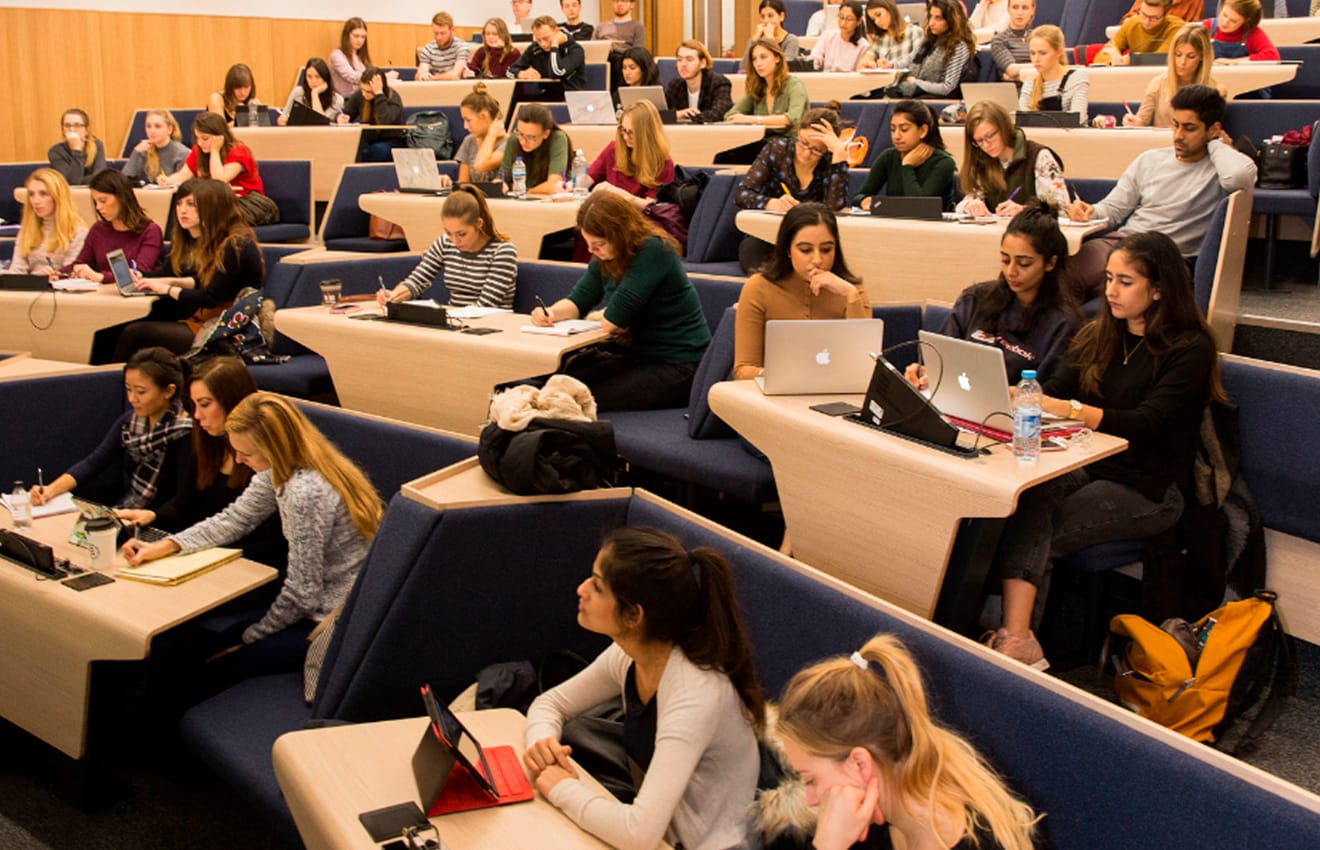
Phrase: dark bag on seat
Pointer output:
(430, 129)
(550, 456)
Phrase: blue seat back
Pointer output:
(1208, 256)
(12, 176)
(716, 365)
(712, 234)
(288, 183)
(1072, 20)
(549, 281)
(1306, 85)
(1260, 119)
(344, 219)
(1091, 189)
(597, 75)
(1099, 14)
(797, 14)
(36, 403)
(137, 128)
(902, 321)
(933, 317)
(1051, 12)
(716, 295)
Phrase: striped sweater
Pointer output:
(486, 278)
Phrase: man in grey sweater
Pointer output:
(1172, 191)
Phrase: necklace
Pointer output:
(1127, 355)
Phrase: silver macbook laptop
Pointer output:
(417, 171)
(1004, 94)
(818, 356)
(628, 95)
(589, 107)
(971, 380)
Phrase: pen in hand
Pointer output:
(1014, 195)
(545, 309)
(784, 186)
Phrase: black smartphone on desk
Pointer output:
(836, 408)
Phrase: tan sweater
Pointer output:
(1155, 110)
(763, 300)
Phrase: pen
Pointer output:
(541, 304)
(41, 481)
(1015, 192)
(784, 186)
(381, 280)
(1127, 108)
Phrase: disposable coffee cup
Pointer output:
(330, 292)
(102, 539)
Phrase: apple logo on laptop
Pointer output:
(823, 357)
(964, 383)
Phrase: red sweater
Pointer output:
(143, 248)
(1259, 46)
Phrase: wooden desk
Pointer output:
(895, 256)
(823, 86)
(329, 148)
(1282, 31)
(451, 92)
(330, 775)
(52, 635)
(689, 144)
(155, 203)
(22, 365)
(873, 509)
(1086, 152)
(524, 222)
(65, 322)
(1126, 82)
(375, 365)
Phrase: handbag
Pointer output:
(380, 228)
(669, 218)
(258, 209)
(1281, 166)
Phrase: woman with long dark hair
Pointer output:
(350, 58)
(314, 92)
(918, 164)
(121, 225)
(240, 89)
(844, 47)
(217, 155)
(681, 661)
(936, 70)
(543, 146)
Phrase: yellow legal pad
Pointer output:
(177, 569)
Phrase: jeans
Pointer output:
(621, 381)
(175, 336)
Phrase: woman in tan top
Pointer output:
(806, 278)
(1190, 59)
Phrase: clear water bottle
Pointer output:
(1026, 418)
(519, 178)
(20, 505)
(580, 178)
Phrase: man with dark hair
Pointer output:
(1172, 191)
(1150, 30)
(551, 57)
(698, 94)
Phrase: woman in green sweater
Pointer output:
(657, 330)
(917, 164)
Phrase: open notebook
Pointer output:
(177, 569)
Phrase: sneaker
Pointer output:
(1024, 649)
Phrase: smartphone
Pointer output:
(88, 580)
(480, 331)
(836, 408)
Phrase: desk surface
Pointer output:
(21, 365)
(893, 255)
(60, 325)
(329, 148)
(826, 85)
(155, 203)
(1086, 151)
(376, 365)
(451, 92)
(873, 509)
(330, 775)
(524, 222)
(52, 634)
(1111, 83)
(689, 144)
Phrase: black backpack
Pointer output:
(550, 456)
(685, 191)
(430, 129)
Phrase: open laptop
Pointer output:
(967, 380)
(123, 275)
(252, 115)
(590, 107)
(1004, 94)
(923, 207)
(454, 773)
(1148, 59)
(417, 172)
(303, 115)
(1049, 118)
(913, 13)
(24, 282)
(895, 406)
(628, 95)
(819, 356)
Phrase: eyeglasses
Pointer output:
(986, 139)
(1150, 19)
(73, 125)
(529, 138)
(627, 132)
(813, 151)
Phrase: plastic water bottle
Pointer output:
(20, 505)
(580, 187)
(1026, 418)
(519, 178)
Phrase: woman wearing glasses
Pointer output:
(543, 147)
(80, 155)
(1002, 169)
(637, 163)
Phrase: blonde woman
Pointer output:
(773, 97)
(160, 153)
(51, 233)
(1189, 65)
(496, 54)
(80, 155)
(1056, 87)
(637, 162)
(859, 733)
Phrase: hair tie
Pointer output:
(868, 665)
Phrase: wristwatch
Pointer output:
(1074, 409)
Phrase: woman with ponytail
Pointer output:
(681, 661)
(80, 156)
(858, 732)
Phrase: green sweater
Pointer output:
(654, 301)
(555, 163)
(792, 101)
(934, 177)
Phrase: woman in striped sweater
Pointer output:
(480, 265)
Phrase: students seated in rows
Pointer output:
(543, 147)
(681, 663)
(893, 40)
(545, 60)
(375, 103)
(1236, 34)
(1188, 10)
(699, 93)
(1028, 312)
(1143, 370)
(918, 163)
(622, 31)
(1189, 65)
(658, 333)
(350, 59)
(636, 68)
(1009, 48)
(51, 233)
(637, 162)
(80, 155)
(212, 479)
(480, 264)
(314, 92)
(1151, 30)
(805, 277)
(1056, 87)
(520, 19)
(769, 26)
(217, 155)
(989, 15)
(871, 757)
(239, 91)
(444, 57)
(842, 48)
(1002, 168)
(1167, 190)
(213, 255)
(773, 97)
(482, 150)
(161, 153)
(572, 25)
(938, 67)
(121, 225)
(149, 442)
(328, 511)
(496, 55)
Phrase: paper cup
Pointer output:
(102, 539)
